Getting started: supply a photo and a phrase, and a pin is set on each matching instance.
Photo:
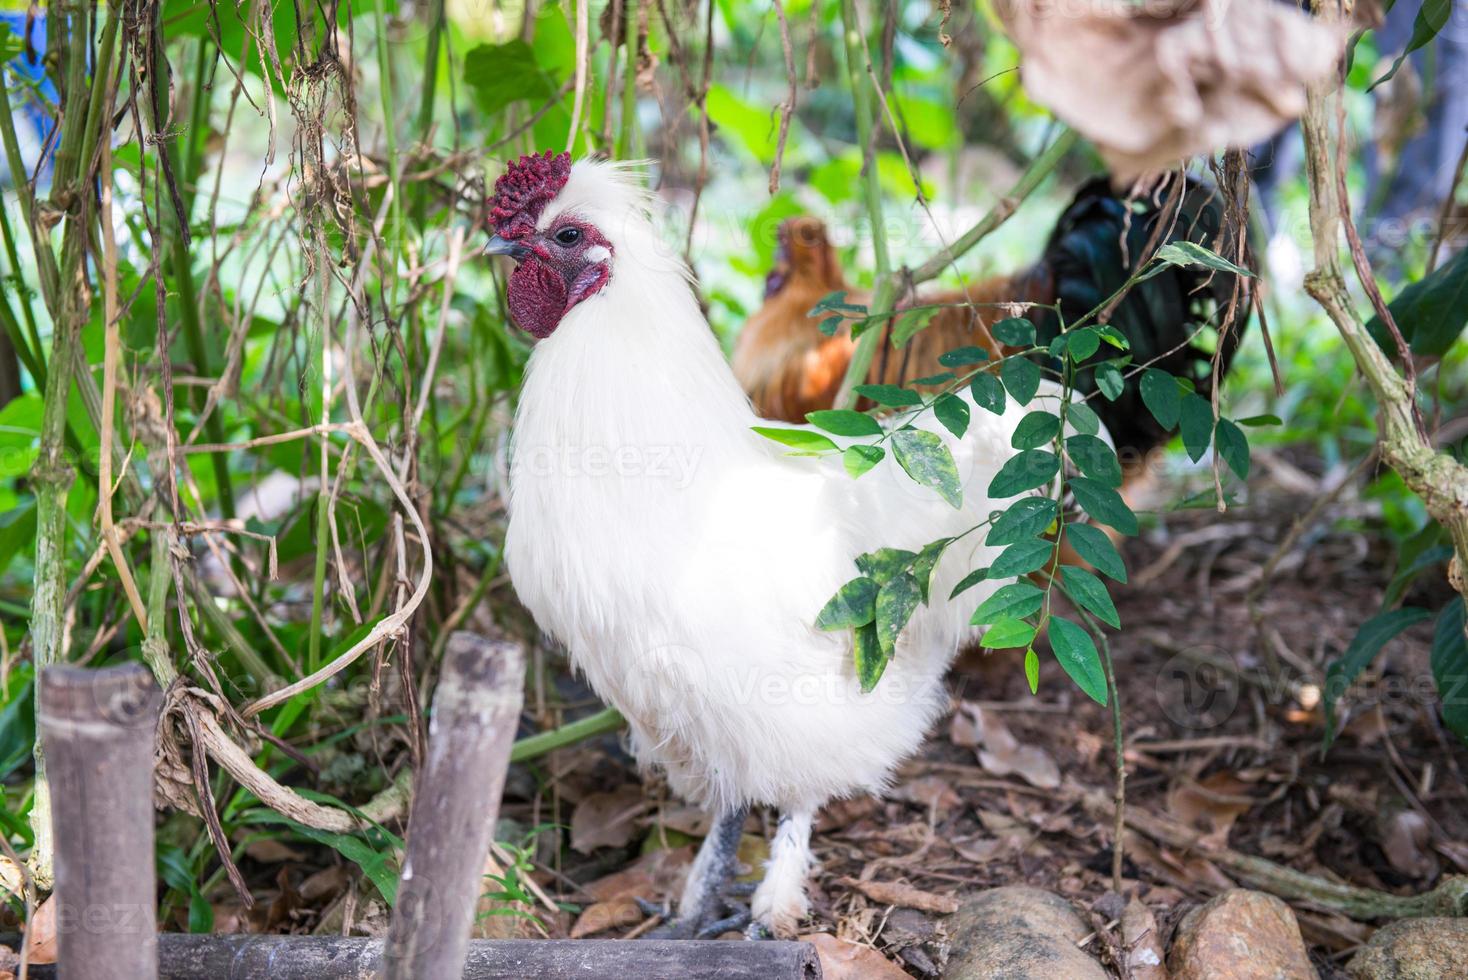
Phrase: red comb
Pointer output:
(524, 189)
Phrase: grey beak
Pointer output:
(502, 246)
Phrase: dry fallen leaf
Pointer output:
(1003, 755)
(272, 852)
(841, 960)
(932, 792)
(654, 876)
(40, 933)
(1211, 805)
(1405, 840)
(1181, 76)
(602, 916)
(607, 819)
(12, 879)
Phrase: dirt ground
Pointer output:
(1221, 691)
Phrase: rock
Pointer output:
(1018, 933)
(1414, 949)
(1240, 934)
(1141, 945)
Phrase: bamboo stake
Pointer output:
(98, 728)
(455, 806)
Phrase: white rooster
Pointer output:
(682, 558)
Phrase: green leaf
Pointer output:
(890, 395)
(853, 605)
(1089, 592)
(173, 868)
(1161, 396)
(375, 857)
(1374, 634)
(870, 660)
(1022, 378)
(1196, 420)
(1233, 447)
(1014, 332)
(1083, 418)
(501, 74)
(1077, 654)
(910, 323)
(1114, 337)
(933, 379)
(925, 562)
(953, 412)
(970, 580)
(1110, 381)
(896, 602)
(1255, 421)
(860, 459)
(803, 440)
(830, 325)
(1191, 254)
(1081, 344)
(1103, 503)
(1095, 548)
(1024, 471)
(927, 460)
(1450, 666)
(1027, 517)
(1014, 601)
(1022, 557)
(1008, 633)
(1431, 313)
(1035, 430)
(844, 422)
(18, 721)
(960, 356)
(988, 392)
(1032, 669)
(17, 532)
(835, 301)
(1431, 17)
(884, 563)
(10, 45)
(1093, 457)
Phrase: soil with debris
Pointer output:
(1221, 678)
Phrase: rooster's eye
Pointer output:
(568, 236)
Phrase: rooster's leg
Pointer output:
(780, 901)
(702, 903)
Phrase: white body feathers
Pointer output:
(682, 558)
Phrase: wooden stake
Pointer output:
(455, 806)
(97, 729)
(247, 957)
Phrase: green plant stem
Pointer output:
(627, 137)
(861, 77)
(430, 92)
(1034, 175)
(605, 720)
(1439, 480)
(54, 470)
(30, 348)
(390, 138)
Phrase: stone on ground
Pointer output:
(1018, 933)
(1414, 949)
(1240, 933)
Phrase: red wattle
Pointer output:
(537, 298)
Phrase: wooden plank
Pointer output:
(96, 729)
(456, 801)
(236, 957)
